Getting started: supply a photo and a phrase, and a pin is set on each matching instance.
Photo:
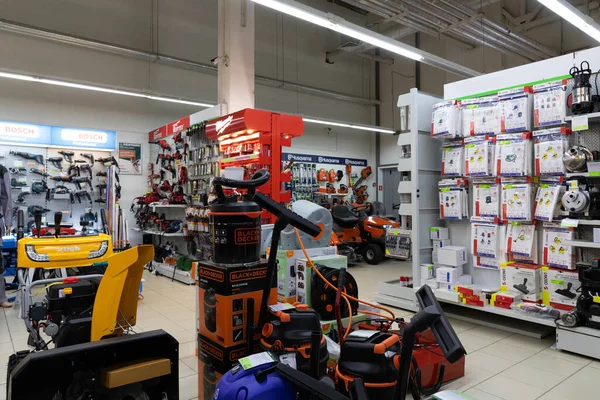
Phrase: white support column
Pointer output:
(236, 52)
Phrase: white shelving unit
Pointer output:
(582, 243)
(149, 232)
(420, 172)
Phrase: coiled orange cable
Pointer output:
(344, 295)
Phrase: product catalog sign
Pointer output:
(15, 132)
(84, 138)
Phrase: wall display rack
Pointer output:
(183, 162)
(59, 169)
(580, 222)
(418, 192)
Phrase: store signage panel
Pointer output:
(308, 158)
(83, 138)
(16, 132)
(178, 126)
(157, 134)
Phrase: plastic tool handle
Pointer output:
(103, 221)
(57, 220)
(292, 218)
(37, 217)
(20, 224)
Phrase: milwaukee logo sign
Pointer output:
(68, 249)
(220, 126)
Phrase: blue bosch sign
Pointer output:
(307, 158)
(84, 138)
(44, 135)
(22, 133)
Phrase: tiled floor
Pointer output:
(499, 365)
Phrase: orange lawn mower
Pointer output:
(357, 234)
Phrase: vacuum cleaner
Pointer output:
(587, 310)
(366, 359)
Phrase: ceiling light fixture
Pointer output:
(55, 82)
(351, 126)
(571, 14)
(340, 25)
(95, 88)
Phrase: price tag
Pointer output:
(580, 123)
(256, 359)
(569, 223)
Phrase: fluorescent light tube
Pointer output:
(571, 14)
(173, 100)
(346, 125)
(339, 25)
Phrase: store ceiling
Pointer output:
(462, 21)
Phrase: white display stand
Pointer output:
(420, 167)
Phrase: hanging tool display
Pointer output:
(83, 194)
(17, 170)
(31, 210)
(29, 156)
(62, 178)
(108, 161)
(39, 172)
(16, 183)
(56, 162)
(83, 182)
(581, 100)
(21, 197)
(89, 156)
(68, 155)
(39, 187)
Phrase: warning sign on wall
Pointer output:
(130, 158)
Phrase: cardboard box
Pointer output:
(504, 299)
(225, 295)
(448, 274)
(452, 255)
(304, 274)
(447, 295)
(525, 279)
(434, 256)
(438, 232)
(286, 269)
(560, 288)
(465, 280)
(431, 282)
(214, 361)
(427, 271)
(439, 243)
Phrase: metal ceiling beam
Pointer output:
(30, 31)
(536, 23)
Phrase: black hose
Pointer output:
(258, 179)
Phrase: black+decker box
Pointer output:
(214, 361)
(229, 301)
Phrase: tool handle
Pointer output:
(103, 221)
(57, 220)
(20, 224)
(37, 216)
(280, 211)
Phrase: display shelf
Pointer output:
(330, 194)
(583, 174)
(166, 270)
(577, 222)
(582, 243)
(505, 313)
(581, 340)
(169, 205)
(417, 191)
(149, 232)
(591, 116)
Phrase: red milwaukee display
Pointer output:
(252, 139)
